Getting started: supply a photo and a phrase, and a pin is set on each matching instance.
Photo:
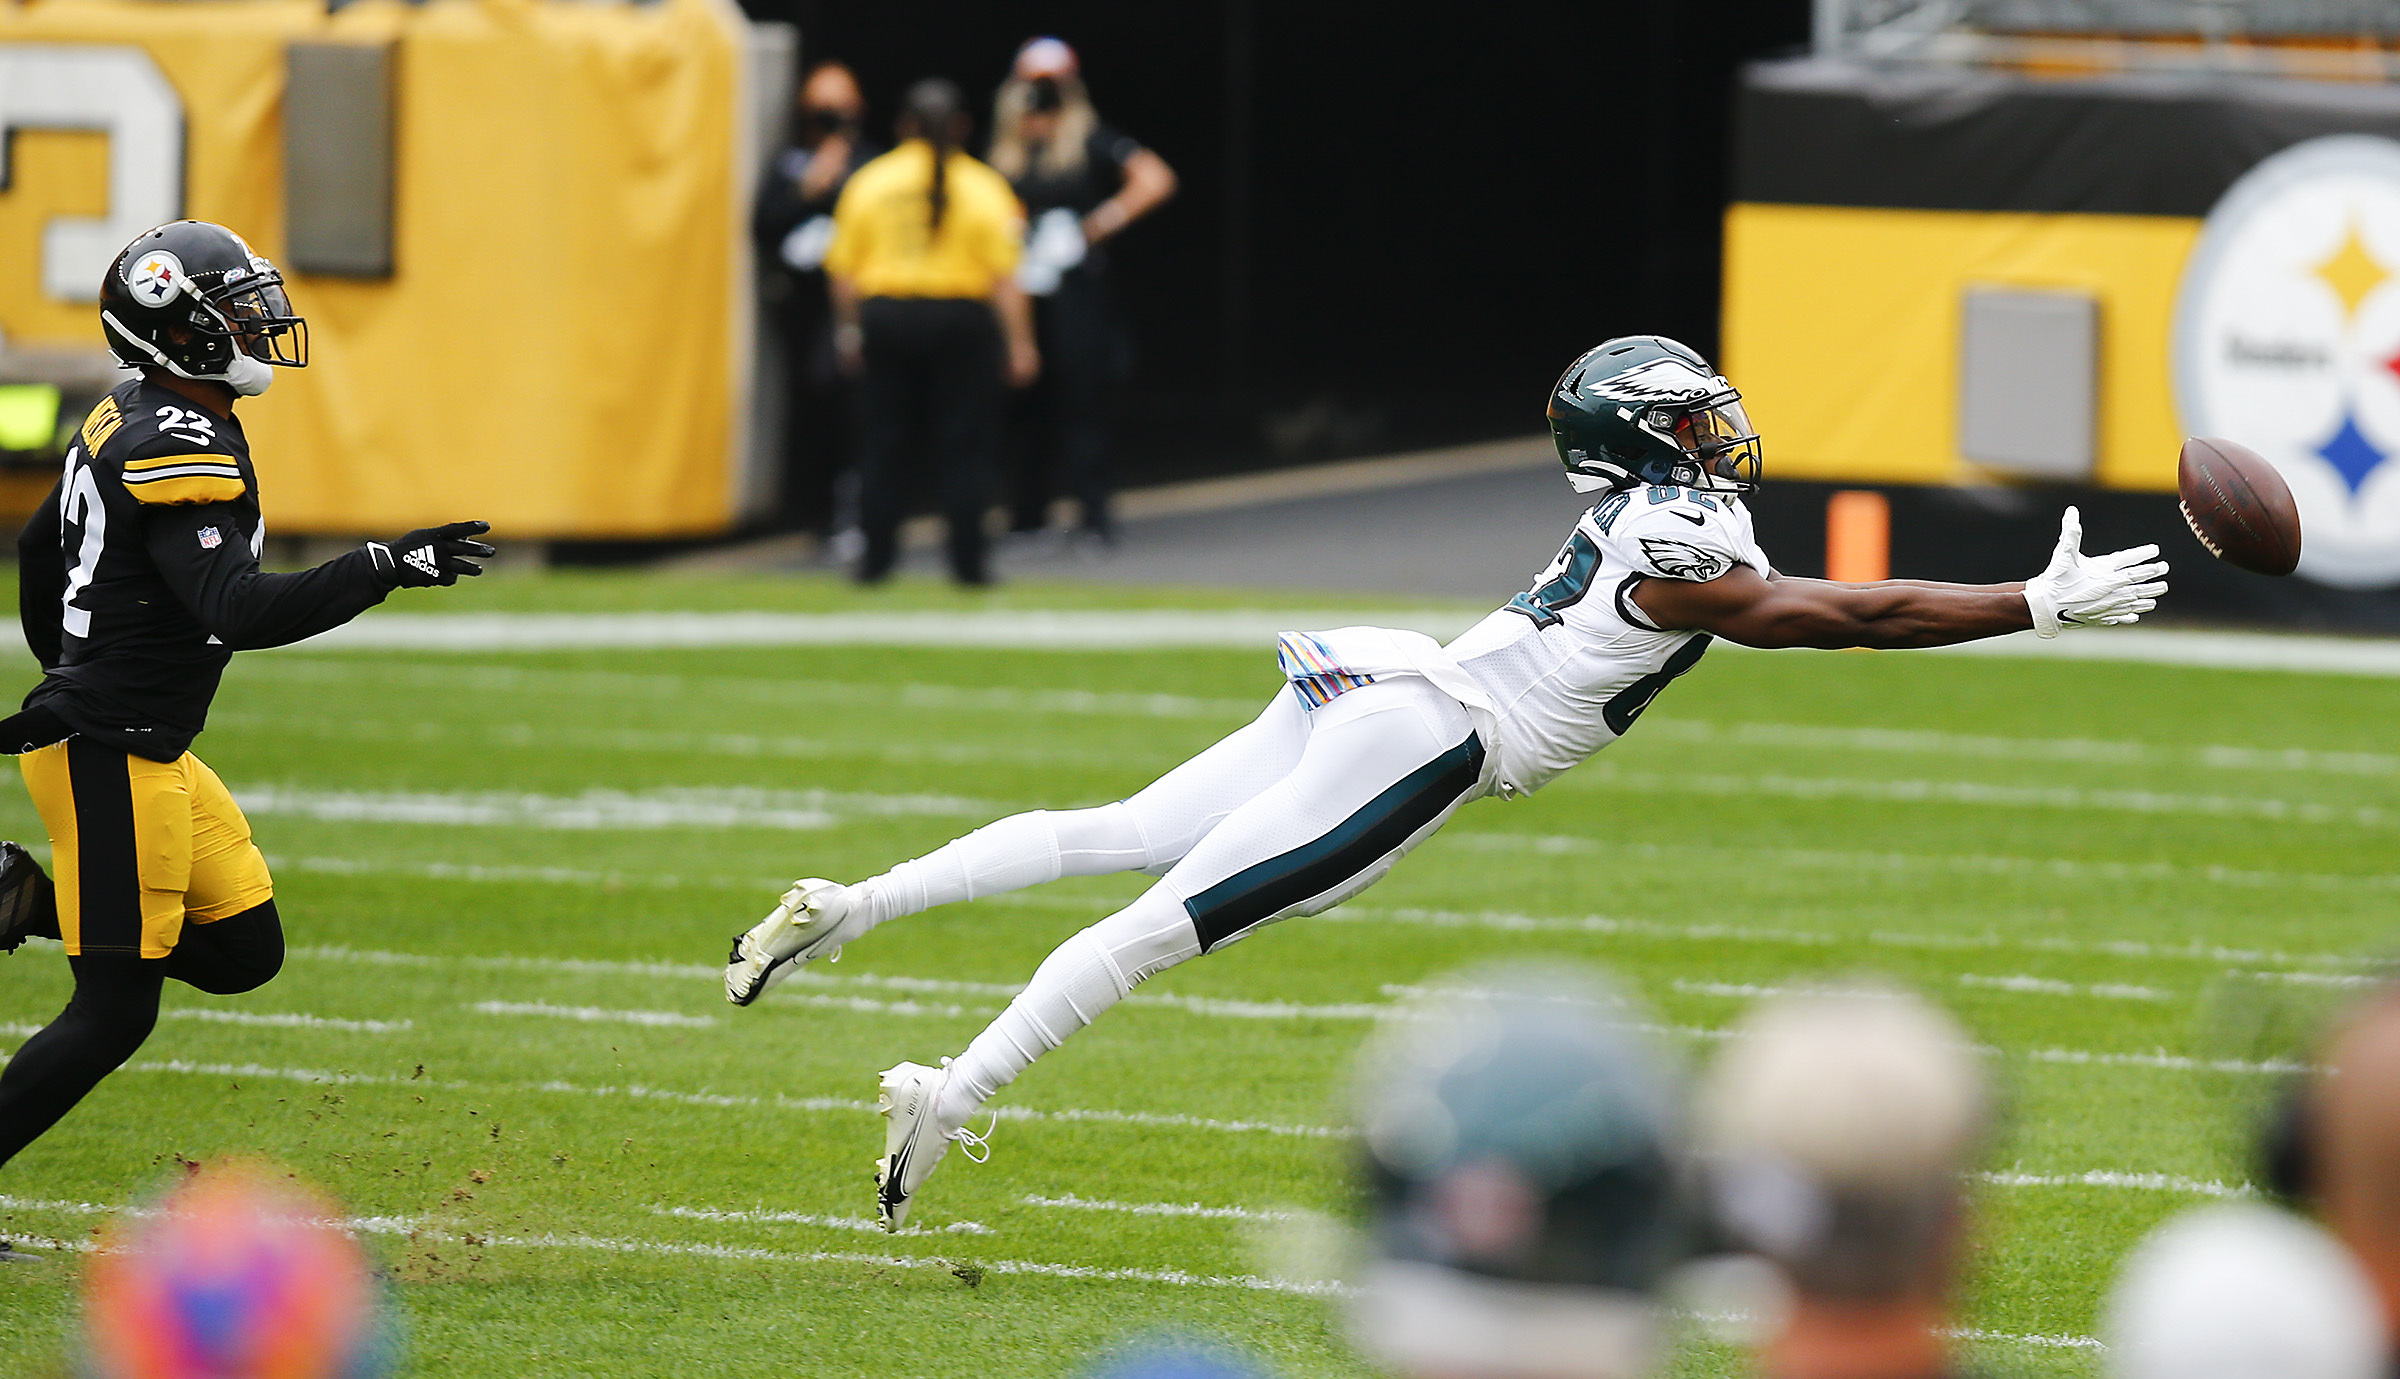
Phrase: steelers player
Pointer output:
(138, 581)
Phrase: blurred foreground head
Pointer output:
(2243, 1292)
(2354, 1142)
(1518, 1137)
(239, 1273)
(1837, 1125)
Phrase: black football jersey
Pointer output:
(139, 574)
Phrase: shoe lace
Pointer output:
(972, 1141)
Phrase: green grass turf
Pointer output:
(1945, 821)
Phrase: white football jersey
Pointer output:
(1570, 663)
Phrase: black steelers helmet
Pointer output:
(1642, 409)
(190, 297)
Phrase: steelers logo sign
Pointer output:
(155, 278)
(2287, 339)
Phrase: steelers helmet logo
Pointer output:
(2287, 339)
(155, 278)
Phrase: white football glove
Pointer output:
(2081, 590)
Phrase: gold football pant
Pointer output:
(140, 847)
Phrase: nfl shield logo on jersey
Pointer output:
(209, 539)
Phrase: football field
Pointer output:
(509, 876)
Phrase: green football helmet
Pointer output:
(1523, 1168)
(1642, 409)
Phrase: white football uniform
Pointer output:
(1380, 736)
(1570, 663)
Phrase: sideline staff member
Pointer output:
(923, 263)
(1082, 183)
(793, 225)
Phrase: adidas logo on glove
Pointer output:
(422, 559)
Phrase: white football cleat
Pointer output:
(805, 925)
(913, 1141)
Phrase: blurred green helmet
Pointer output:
(1520, 1154)
(1642, 409)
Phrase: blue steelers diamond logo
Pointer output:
(2287, 339)
(2351, 454)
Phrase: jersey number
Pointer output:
(81, 510)
(1627, 704)
(1578, 561)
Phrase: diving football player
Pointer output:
(1381, 735)
(138, 580)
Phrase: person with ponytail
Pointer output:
(929, 317)
(1082, 183)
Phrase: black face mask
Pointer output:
(1044, 96)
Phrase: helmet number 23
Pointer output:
(80, 508)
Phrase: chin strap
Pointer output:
(246, 376)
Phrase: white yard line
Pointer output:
(996, 629)
(2378, 657)
(1092, 630)
(1602, 775)
(2136, 1182)
(2352, 981)
(2021, 984)
(2158, 1060)
(780, 691)
(515, 875)
(741, 746)
(2133, 949)
(1027, 1268)
(282, 1020)
(807, 1105)
(868, 1005)
(2168, 1062)
(2069, 750)
(1973, 1333)
(865, 1225)
(602, 809)
(1190, 1209)
(2036, 868)
(595, 1014)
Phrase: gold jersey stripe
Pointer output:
(193, 488)
(101, 424)
(164, 461)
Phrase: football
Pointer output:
(2238, 506)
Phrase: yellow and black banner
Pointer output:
(559, 345)
(1933, 274)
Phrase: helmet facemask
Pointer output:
(1724, 448)
(250, 307)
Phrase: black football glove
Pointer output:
(431, 555)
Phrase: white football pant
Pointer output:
(1291, 815)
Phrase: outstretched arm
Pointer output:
(203, 553)
(1747, 607)
(1755, 610)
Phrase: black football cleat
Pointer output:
(28, 902)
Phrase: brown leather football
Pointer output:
(2238, 506)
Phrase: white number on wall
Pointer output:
(120, 92)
